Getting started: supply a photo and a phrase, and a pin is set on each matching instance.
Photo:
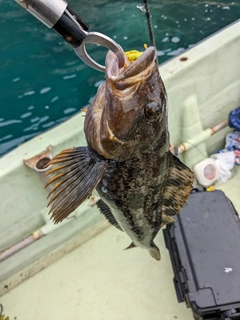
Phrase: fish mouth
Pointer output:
(131, 73)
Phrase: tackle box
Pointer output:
(204, 247)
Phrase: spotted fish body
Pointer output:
(137, 210)
(140, 183)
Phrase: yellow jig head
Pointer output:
(133, 55)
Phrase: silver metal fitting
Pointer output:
(47, 11)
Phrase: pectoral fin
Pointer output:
(75, 174)
(178, 187)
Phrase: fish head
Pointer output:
(128, 116)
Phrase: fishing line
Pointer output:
(141, 6)
(150, 28)
(149, 22)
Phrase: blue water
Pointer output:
(44, 83)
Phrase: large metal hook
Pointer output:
(100, 39)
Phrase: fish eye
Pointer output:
(152, 111)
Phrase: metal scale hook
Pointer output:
(57, 15)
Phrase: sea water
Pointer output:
(43, 82)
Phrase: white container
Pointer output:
(207, 172)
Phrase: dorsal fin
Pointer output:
(106, 211)
(75, 174)
(178, 187)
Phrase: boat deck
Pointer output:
(99, 280)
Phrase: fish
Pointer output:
(141, 184)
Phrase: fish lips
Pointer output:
(128, 88)
(130, 73)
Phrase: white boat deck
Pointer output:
(99, 280)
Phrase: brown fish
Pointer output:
(142, 185)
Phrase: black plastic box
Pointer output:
(204, 247)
